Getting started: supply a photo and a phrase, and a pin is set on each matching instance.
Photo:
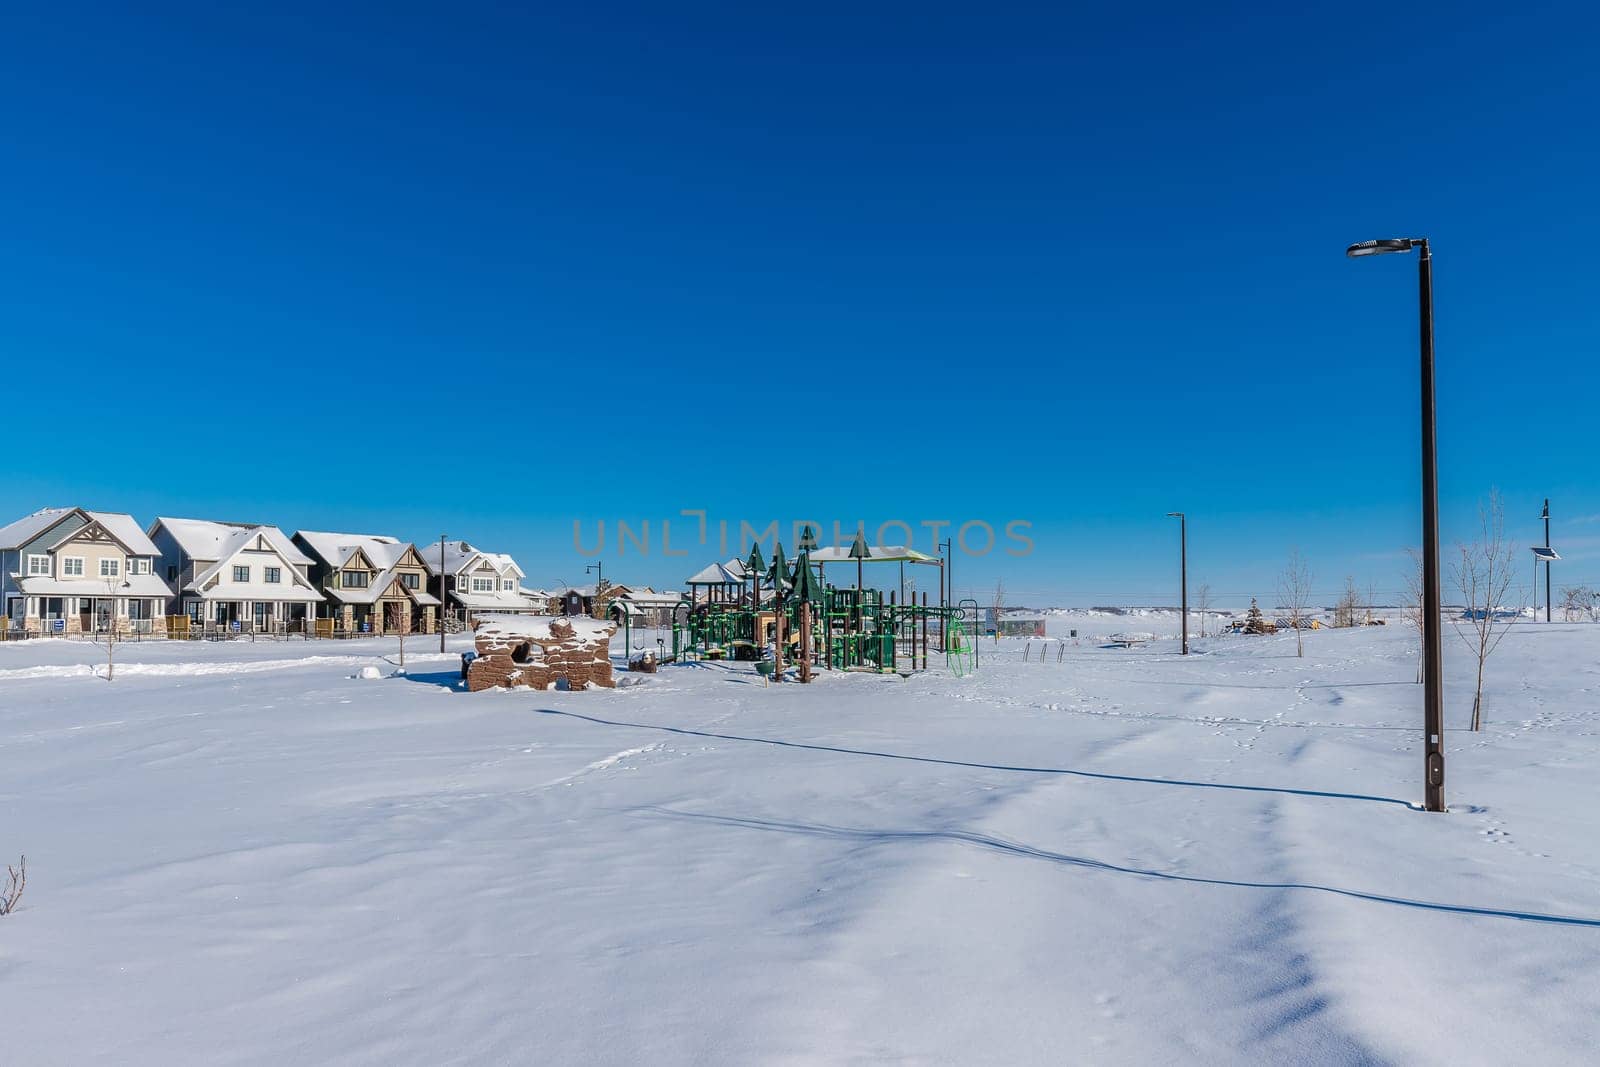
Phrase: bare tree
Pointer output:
(999, 606)
(1414, 602)
(400, 614)
(1575, 602)
(1294, 592)
(16, 882)
(1483, 576)
(1344, 612)
(109, 633)
(1202, 604)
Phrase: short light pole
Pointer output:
(442, 581)
(1432, 622)
(599, 570)
(1183, 572)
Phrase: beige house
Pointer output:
(68, 570)
(370, 583)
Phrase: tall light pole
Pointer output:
(1183, 570)
(1548, 556)
(1432, 624)
(441, 592)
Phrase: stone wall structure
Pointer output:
(537, 651)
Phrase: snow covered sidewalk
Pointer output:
(1123, 857)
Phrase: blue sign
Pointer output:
(58, 626)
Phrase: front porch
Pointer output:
(89, 614)
(247, 616)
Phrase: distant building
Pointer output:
(471, 582)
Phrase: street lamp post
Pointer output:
(1432, 623)
(441, 593)
(1548, 555)
(1183, 571)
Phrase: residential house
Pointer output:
(236, 576)
(371, 583)
(470, 581)
(68, 570)
(591, 600)
(646, 607)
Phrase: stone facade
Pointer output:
(537, 651)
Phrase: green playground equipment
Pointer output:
(961, 641)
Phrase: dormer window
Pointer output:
(411, 580)
(507, 585)
(355, 579)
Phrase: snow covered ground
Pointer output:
(245, 854)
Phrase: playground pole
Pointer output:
(1183, 566)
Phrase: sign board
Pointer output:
(58, 626)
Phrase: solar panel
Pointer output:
(1545, 554)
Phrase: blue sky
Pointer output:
(491, 273)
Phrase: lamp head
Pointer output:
(1380, 247)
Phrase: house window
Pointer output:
(38, 564)
(508, 585)
(411, 581)
(138, 566)
(355, 579)
(110, 568)
(172, 573)
(483, 585)
(241, 574)
(72, 566)
(274, 575)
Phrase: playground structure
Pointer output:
(540, 652)
(753, 608)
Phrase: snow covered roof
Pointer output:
(286, 590)
(648, 599)
(25, 529)
(125, 529)
(207, 541)
(460, 555)
(875, 554)
(506, 600)
(119, 525)
(537, 627)
(138, 585)
(729, 573)
(337, 549)
(237, 540)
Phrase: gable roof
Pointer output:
(337, 549)
(730, 573)
(207, 541)
(242, 538)
(122, 528)
(25, 529)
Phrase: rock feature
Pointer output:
(538, 651)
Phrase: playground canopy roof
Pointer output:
(875, 554)
(729, 573)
